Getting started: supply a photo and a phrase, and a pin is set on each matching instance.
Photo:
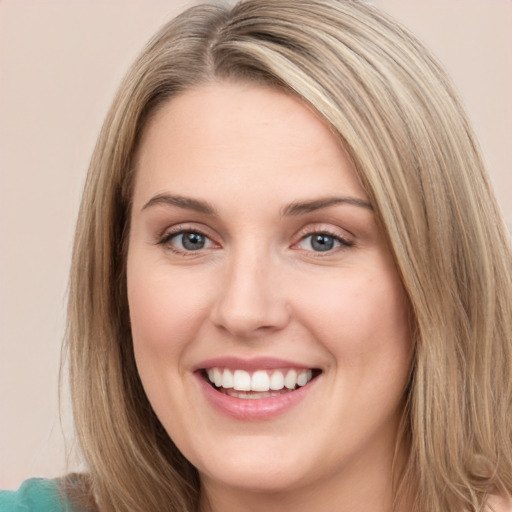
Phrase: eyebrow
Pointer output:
(295, 208)
(302, 207)
(186, 203)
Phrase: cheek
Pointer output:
(165, 311)
(360, 317)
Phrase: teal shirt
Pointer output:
(34, 495)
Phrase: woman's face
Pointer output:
(255, 261)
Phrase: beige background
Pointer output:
(60, 63)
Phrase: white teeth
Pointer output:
(227, 379)
(290, 381)
(277, 381)
(217, 377)
(261, 380)
(304, 377)
(241, 381)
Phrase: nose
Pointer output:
(251, 299)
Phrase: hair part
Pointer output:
(400, 122)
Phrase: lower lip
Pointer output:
(255, 409)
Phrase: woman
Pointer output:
(291, 283)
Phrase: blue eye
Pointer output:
(187, 241)
(192, 241)
(322, 242)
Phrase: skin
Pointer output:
(258, 288)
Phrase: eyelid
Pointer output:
(337, 233)
(164, 237)
(345, 239)
(180, 227)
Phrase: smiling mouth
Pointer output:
(258, 384)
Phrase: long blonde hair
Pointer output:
(400, 122)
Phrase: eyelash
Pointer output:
(344, 243)
(167, 237)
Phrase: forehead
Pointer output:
(240, 135)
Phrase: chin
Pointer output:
(266, 479)
(262, 467)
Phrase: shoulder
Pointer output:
(34, 495)
(72, 493)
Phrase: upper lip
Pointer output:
(250, 364)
